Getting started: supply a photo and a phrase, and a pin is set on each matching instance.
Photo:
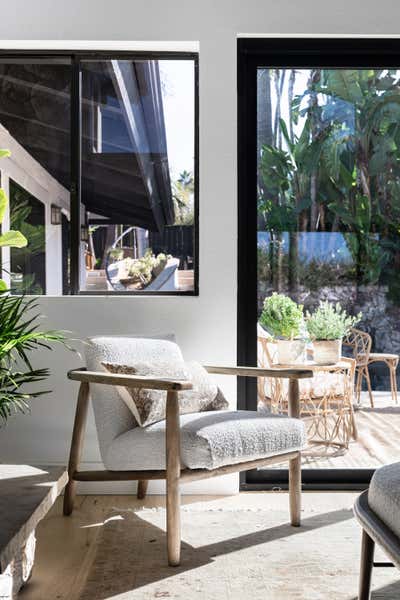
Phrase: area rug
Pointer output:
(232, 555)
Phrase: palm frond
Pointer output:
(19, 337)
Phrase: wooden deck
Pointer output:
(377, 444)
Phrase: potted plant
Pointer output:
(327, 326)
(283, 319)
(18, 337)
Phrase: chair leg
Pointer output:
(358, 385)
(142, 489)
(173, 477)
(294, 463)
(366, 374)
(295, 490)
(75, 455)
(393, 381)
(354, 429)
(367, 559)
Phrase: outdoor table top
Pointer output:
(26, 495)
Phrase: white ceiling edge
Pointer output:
(320, 35)
(115, 45)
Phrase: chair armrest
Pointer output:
(294, 373)
(135, 381)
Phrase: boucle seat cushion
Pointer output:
(208, 440)
(384, 496)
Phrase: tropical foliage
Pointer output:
(11, 238)
(18, 338)
(331, 163)
(330, 322)
(183, 194)
(281, 316)
(22, 204)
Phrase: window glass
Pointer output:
(138, 183)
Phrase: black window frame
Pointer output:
(283, 52)
(76, 57)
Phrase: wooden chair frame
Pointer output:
(173, 474)
(374, 531)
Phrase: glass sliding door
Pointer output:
(325, 134)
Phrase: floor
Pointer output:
(113, 547)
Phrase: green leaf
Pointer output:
(14, 239)
(285, 134)
(3, 204)
(3, 286)
(4, 153)
(345, 84)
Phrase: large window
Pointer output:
(102, 177)
(320, 125)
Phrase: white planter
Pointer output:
(290, 351)
(327, 352)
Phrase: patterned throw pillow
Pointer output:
(148, 406)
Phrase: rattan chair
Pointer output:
(391, 361)
(326, 401)
(360, 342)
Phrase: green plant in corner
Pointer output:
(11, 238)
(282, 317)
(18, 337)
(330, 322)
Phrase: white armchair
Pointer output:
(181, 448)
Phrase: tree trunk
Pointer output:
(110, 239)
(264, 115)
(293, 261)
(314, 118)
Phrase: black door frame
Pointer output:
(300, 53)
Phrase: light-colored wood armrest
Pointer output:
(135, 381)
(294, 373)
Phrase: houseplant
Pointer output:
(283, 319)
(18, 337)
(327, 326)
(18, 334)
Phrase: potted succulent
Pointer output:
(327, 326)
(283, 319)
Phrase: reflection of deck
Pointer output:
(377, 444)
(96, 281)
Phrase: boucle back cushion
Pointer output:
(112, 416)
(149, 406)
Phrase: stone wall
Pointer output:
(381, 318)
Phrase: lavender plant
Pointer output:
(330, 322)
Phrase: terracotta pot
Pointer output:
(290, 351)
(327, 352)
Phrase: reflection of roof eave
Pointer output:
(125, 183)
(146, 129)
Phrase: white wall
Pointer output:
(205, 326)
